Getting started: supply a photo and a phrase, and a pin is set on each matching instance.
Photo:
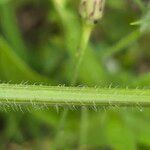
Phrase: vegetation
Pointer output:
(68, 82)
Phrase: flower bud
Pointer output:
(91, 10)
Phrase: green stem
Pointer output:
(122, 44)
(59, 6)
(60, 131)
(85, 36)
(44, 95)
(83, 128)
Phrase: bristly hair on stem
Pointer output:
(69, 96)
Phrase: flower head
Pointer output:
(92, 10)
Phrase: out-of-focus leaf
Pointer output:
(145, 22)
(13, 68)
(10, 28)
(117, 4)
(119, 136)
(140, 3)
(96, 129)
(139, 125)
(12, 129)
(142, 81)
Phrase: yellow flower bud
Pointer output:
(92, 10)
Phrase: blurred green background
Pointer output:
(38, 42)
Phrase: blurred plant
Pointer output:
(70, 40)
(144, 22)
(91, 12)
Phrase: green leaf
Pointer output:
(139, 124)
(14, 68)
(145, 25)
(11, 30)
(119, 136)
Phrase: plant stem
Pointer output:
(83, 128)
(44, 95)
(85, 36)
(122, 44)
(60, 130)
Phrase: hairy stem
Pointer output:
(44, 95)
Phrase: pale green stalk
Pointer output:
(69, 96)
(60, 130)
(122, 44)
(83, 128)
(90, 11)
(85, 36)
(60, 8)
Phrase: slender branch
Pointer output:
(83, 128)
(85, 36)
(24, 94)
(60, 131)
(122, 44)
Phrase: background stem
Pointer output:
(84, 128)
(85, 36)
